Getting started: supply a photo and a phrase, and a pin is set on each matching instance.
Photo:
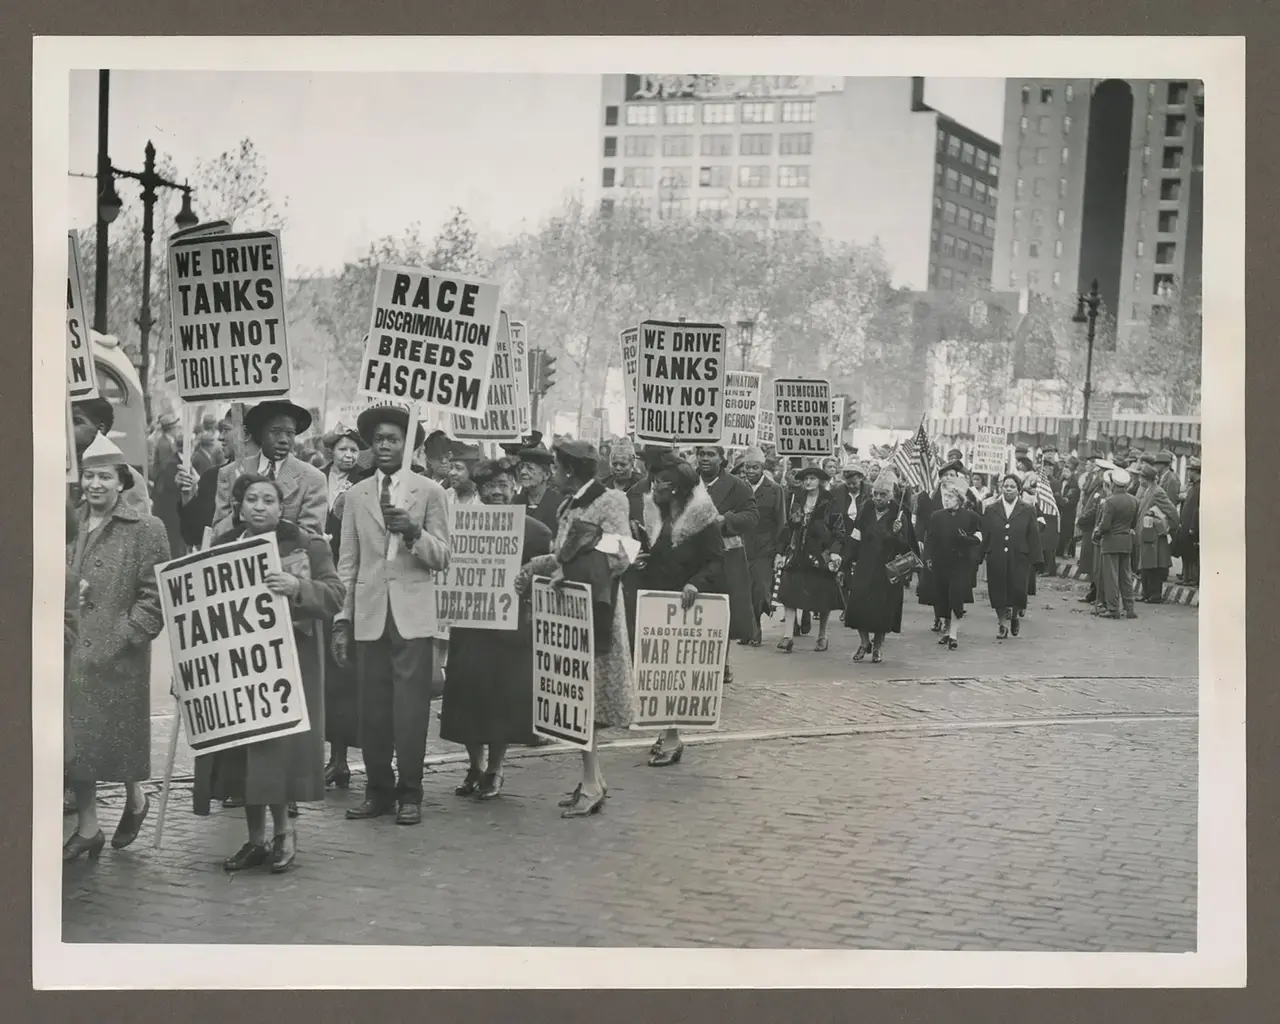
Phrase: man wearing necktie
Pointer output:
(390, 613)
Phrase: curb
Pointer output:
(1174, 593)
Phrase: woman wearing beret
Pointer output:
(810, 555)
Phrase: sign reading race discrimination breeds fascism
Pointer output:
(680, 381)
(564, 695)
(803, 417)
(235, 662)
(431, 339)
(229, 329)
(478, 590)
(680, 659)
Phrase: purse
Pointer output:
(901, 567)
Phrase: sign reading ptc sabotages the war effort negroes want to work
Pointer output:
(82, 377)
(741, 409)
(520, 367)
(630, 341)
(564, 696)
(989, 448)
(226, 300)
(680, 382)
(235, 663)
(431, 339)
(501, 419)
(478, 590)
(802, 421)
(679, 660)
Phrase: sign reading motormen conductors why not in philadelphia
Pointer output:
(226, 302)
(679, 660)
(680, 383)
(235, 663)
(431, 339)
(478, 590)
(564, 696)
(802, 424)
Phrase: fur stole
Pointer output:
(698, 513)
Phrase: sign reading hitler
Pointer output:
(803, 416)
(989, 441)
(680, 381)
(229, 329)
(431, 339)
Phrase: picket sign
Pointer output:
(678, 669)
(802, 420)
(680, 382)
(82, 375)
(563, 692)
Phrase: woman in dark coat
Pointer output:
(810, 554)
(951, 550)
(1011, 544)
(882, 531)
(111, 568)
(681, 551)
(926, 506)
(488, 690)
(274, 773)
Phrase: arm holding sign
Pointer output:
(429, 541)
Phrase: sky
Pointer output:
(361, 155)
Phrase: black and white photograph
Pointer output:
(577, 518)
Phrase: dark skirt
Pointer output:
(488, 688)
(762, 585)
(810, 590)
(341, 700)
(873, 604)
(951, 589)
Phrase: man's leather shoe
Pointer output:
(371, 808)
(409, 814)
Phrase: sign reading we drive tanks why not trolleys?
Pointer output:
(802, 424)
(680, 383)
(226, 304)
(431, 339)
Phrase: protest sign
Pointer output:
(837, 422)
(213, 229)
(82, 375)
(803, 416)
(235, 663)
(679, 661)
(680, 383)
(988, 448)
(630, 339)
(431, 339)
(226, 303)
(520, 368)
(741, 409)
(764, 428)
(501, 419)
(564, 694)
(478, 590)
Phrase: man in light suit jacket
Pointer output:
(390, 612)
(272, 426)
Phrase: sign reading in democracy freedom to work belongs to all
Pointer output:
(226, 300)
(989, 448)
(431, 339)
(803, 417)
(564, 694)
(82, 377)
(741, 409)
(501, 419)
(478, 590)
(679, 660)
(680, 381)
(235, 664)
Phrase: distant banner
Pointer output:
(741, 409)
(82, 376)
(235, 662)
(765, 428)
(431, 339)
(989, 448)
(679, 661)
(520, 368)
(803, 416)
(478, 590)
(837, 422)
(563, 662)
(501, 419)
(630, 339)
(680, 382)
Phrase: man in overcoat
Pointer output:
(1114, 539)
(762, 539)
(1188, 540)
(736, 504)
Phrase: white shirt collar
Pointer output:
(395, 478)
(1009, 506)
(264, 465)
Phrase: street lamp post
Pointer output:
(746, 335)
(1087, 313)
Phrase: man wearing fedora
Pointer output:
(272, 426)
(1166, 477)
(390, 612)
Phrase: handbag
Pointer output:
(901, 567)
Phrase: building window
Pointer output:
(1014, 246)
(1166, 252)
(1033, 250)
(607, 179)
(638, 145)
(642, 113)
(637, 177)
(1137, 281)
(991, 227)
(953, 179)
(1026, 95)
(979, 222)
(948, 245)
(1037, 188)
(1066, 125)
(754, 209)
(757, 113)
(980, 160)
(676, 177)
(611, 116)
(953, 146)
(1069, 93)
(715, 177)
(944, 277)
(937, 206)
(1017, 219)
(995, 166)
(1172, 158)
(1062, 188)
(1170, 190)
(976, 253)
(1044, 124)
(753, 177)
(942, 140)
(795, 143)
(966, 152)
(1024, 123)
(1057, 278)
(1046, 94)
(755, 145)
(980, 191)
(1065, 155)
(949, 212)
(962, 249)
(1162, 285)
(719, 113)
(1141, 249)
(1168, 221)
(713, 209)
(793, 209)
(1062, 217)
(678, 113)
(933, 235)
(672, 207)
(937, 174)
(793, 176)
(1174, 126)
(717, 145)
(964, 217)
(610, 145)
(677, 145)
(606, 205)
(1020, 189)
(1033, 278)
(1177, 93)
(966, 185)
(797, 112)
(1057, 249)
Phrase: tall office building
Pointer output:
(862, 159)
(1102, 180)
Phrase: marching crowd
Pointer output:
(361, 539)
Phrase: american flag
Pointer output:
(1046, 503)
(917, 461)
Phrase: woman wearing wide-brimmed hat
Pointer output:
(810, 555)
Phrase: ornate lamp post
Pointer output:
(1087, 313)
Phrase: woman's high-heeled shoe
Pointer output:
(876, 656)
(284, 851)
(936, 627)
(942, 640)
(130, 825)
(583, 806)
(666, 756)
(786, 644)
(572, 798)
(338, 775)
(1003, 632)
(1013, 625)
(78, 845)
(952, 643)
(251, 855)
(860, 653)
(470, 784)
(491, 786)
(821, 645)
